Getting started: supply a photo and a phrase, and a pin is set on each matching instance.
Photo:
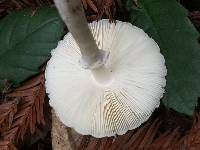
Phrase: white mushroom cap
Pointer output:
(119, 97)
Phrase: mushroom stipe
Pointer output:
(118, 97)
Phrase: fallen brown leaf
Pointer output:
(7, 145)
(21, 116)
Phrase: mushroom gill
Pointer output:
(115, 98)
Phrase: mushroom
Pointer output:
(111, 98)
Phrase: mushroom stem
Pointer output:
(72, 13)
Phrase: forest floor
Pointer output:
(166, 129)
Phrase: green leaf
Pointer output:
(26, 41)
(167, 23)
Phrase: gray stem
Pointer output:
(72, 13)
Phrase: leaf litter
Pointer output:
(23, 108)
